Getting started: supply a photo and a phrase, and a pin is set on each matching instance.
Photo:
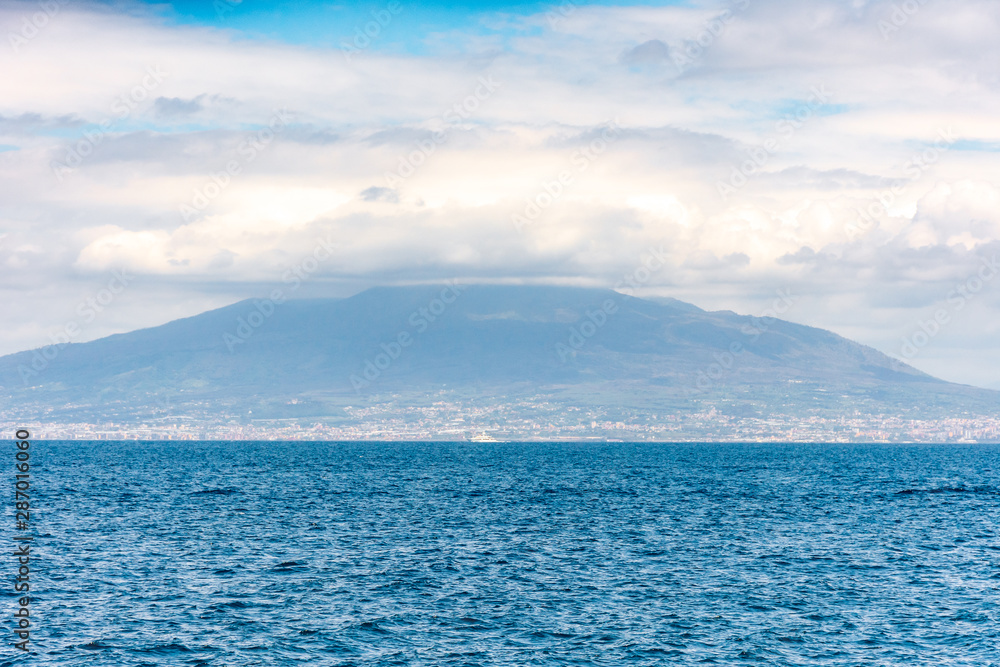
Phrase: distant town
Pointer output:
(525, 420)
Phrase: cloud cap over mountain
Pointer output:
(843, 148)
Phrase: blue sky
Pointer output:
(326, 24)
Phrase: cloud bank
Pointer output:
(843, 150)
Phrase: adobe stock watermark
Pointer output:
(650, 262)
(23, 625)
(263, 309)
(761, 155)
(88, 310)
(648, 265)
(900, 16)
(957, 298)
(711, 30)
(122, 107)
(225, 7)
(420, 320)
(725, 361)
(557, 15)
(453, 117)
(32, 25)
(248, 150)
(580, 333)
(914, 169)
(365, 35)
(550, 191)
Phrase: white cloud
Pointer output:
(683, 131)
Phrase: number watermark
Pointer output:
(22, 541)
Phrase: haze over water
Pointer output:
(515, 554)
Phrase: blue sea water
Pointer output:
(235, 553)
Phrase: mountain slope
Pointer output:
(573, 344)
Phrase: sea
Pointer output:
(457, 553)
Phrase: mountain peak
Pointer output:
(583, 345)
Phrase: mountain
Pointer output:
(574, 346)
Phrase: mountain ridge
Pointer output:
(574, 344)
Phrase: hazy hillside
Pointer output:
(573, 344)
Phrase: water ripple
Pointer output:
(382, 554)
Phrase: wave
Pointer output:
(950, 489)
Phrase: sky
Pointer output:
(158, 160)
